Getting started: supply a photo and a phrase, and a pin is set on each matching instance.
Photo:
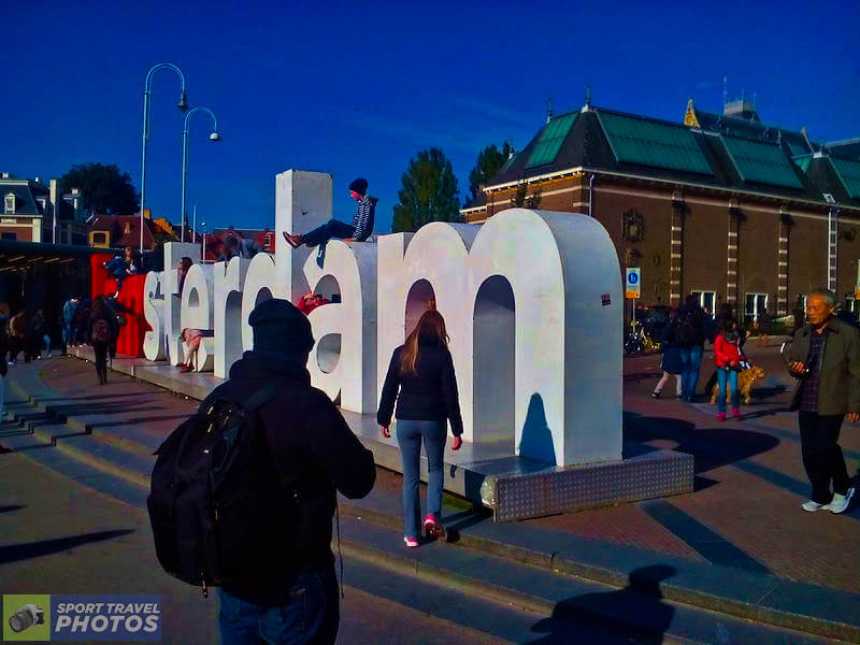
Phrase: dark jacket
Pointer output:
(310, 443)
(111, 322)
(693, 319)
(839, 388)
(429, 394)
(672, 355)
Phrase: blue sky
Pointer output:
(358, 89)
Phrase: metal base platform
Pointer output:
(489, 474)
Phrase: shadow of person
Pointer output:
(711, 447)
(635, 613)
(536, 440)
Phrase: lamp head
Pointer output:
(214, 137)
(183, 102)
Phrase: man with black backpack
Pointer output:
(244, 492)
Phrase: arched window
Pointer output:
(9, 204)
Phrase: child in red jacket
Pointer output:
(727, 357)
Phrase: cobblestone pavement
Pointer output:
(744, 513)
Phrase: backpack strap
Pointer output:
(260, 398)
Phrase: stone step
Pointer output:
(635, 612)
(42, 451)
(727, 590)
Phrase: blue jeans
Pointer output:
(691, 358)
(725, 375)
(331, 229)
(311, 616)
(409, 436)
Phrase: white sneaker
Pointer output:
(840, 503)
(811, 507)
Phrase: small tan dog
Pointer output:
(746, 380)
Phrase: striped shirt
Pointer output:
(809, 392)
(363, 218)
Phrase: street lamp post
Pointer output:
(213, 137)
(194, 225)
(182, 105)
(203, 253)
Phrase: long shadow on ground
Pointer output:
(639, 603)
(30, 550)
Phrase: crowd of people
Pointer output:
(827, 390)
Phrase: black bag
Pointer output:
(217, 505)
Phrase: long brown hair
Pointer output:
(430, 327)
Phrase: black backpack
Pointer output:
(217, 505)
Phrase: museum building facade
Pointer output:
(721, 206)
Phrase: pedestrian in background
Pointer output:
(421, 379)
(672, 362)
(3, 370)
(69, 309)
(825, 359)
(727, 358)
(102, 333)
(690, 335)
(763, 325)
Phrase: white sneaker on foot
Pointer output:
(840, 503)
(811, 507)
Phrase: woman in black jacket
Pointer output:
(102, 334)
(423, 373)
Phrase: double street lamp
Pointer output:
(182, 105)
(214, 137)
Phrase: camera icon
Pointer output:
(26, 617)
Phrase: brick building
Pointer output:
(34, 212)
(721, 206)
(118, 231)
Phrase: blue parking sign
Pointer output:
(634, 285)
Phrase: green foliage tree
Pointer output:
(104, 187)
(490, 161)
(429, 193)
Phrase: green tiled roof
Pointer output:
(797, 147)
(803, 162)
(849, 173)
(654, 144)
(549, 143)
(762, 163)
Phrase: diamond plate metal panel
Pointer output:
(658, 474)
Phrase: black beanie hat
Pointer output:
(359, 185)
(280, 328)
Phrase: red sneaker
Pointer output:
(736, 413)
(721, 417)
(411, 542)
(294, 241)
(433, 529)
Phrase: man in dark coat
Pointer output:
(825, 358)
(690, 336)
(295, 598)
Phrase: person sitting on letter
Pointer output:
(358, 231)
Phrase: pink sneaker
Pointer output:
(433, 528)
(721, 417)
(411, 542)
(736, 413)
